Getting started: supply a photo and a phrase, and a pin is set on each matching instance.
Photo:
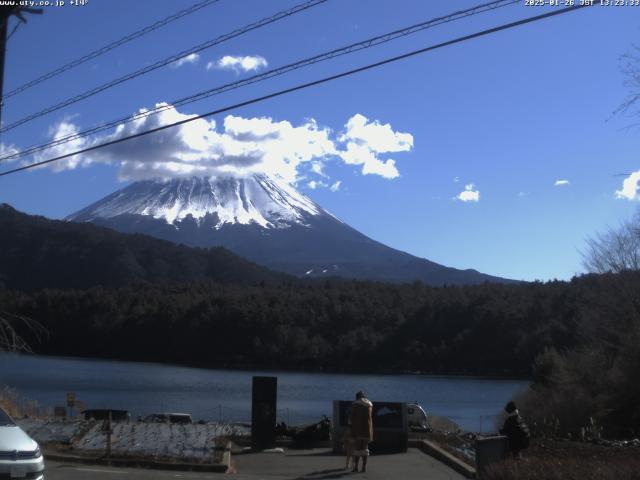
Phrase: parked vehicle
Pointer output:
(305, 435)
(20, 455)
(103, 414)
(417, 418)
(182, 418)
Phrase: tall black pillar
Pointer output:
(263, 412)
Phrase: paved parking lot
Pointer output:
(317, 464)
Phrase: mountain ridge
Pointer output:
(37, 252)
(268, 222)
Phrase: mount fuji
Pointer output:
(266, 220)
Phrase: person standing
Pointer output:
(515, 430)
(361, 429)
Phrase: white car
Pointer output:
(20, 456)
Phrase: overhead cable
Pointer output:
(304, 86)
(166, 61)
(107, 48)
(354, 47)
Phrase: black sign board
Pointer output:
(490, 450)
(263, 412)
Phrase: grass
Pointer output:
(9, 402)
(568, 460)
(15, 405)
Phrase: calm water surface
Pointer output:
(144, 388)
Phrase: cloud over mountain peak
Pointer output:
(238, 147)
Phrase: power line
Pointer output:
(271, 73)
(109, 47)
(306, 85)
(368, 43)
(13, 30)
(162, 63)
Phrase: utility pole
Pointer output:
(5, 14)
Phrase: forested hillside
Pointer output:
(36, 252)
(486, 329)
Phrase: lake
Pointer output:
(208, 394)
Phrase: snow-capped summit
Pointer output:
(269, 202)
(265, 220)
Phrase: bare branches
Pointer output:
(631, 69)
(11, 325)
(616, 250)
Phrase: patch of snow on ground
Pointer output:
(189, 443)
(50, 431)
(186, 442)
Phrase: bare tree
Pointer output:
(10, 338)
(630, 67)
(616, 250)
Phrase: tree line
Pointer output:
(489, 329)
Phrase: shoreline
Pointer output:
(266, 370)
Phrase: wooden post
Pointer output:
(5, 13)
(109, 431)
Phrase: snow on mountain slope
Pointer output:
(267, 221)
(266, 201)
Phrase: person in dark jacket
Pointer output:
(515, 430)
(361, 429)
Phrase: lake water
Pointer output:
(144, 388)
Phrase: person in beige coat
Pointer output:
(361, 429)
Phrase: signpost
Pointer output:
(71, 402)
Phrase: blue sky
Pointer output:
(502, 118)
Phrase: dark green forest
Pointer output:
(578, 341)
(489, 329)
(36, 252)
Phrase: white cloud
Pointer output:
(469, 194)
(313, 184)
(336, 186)
(284, 148)
(318, 169)
(238, 147)
(456, 179)
(630, 187)
(6, 150)
(376, 136)
(560, 183)
(365, 140)
(63, 129)
(371, 164)
(239, 64)
(191, 58)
